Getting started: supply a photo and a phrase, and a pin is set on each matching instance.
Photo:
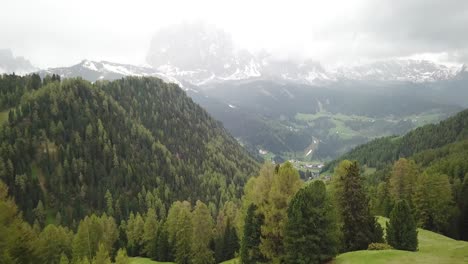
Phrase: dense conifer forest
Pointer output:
(67, 143)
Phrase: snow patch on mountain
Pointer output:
(104, 70)
(409, 70)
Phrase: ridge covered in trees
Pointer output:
(140, 141)
(428, 168)
(384, 151)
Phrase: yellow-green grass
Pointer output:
(4, 116)
(231, 261)
(433, 248)
(139, 260)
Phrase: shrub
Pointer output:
(379, 246)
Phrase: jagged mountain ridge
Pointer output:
(200, 54)
(308, 72)
(104, 70)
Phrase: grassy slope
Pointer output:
(139, 260)
(433, 248)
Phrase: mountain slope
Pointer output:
(144, 140)
(384, 151)
(287, 117)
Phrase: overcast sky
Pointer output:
(60, 33)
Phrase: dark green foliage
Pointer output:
(227, 244)
(401, 229)
(68, 142)
(464, 210)
(13, 87)
(359, 227)
(311, 230)
(440, 149)
(163, 248)
(250, 251)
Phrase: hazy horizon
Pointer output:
(61, 33)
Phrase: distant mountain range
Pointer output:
(196, 54)
(308, 72)
(201, 54)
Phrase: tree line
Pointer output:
(284, 220)
(280, 220)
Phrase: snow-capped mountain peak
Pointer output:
(99, 70)
(398, 70)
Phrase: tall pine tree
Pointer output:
(250, 251)
(359, 227)
(401, 229)
(311, 230)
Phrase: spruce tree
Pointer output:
(359, 227)
(162, 247)
(464, 210)
(311, 230)
(250, 251)
(401, 229)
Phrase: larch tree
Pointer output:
(284, 186)
(102, 256)
(183, 238)
(203, 228)
(402, 179)
(122, 257)
(150, 232)
(432, 201)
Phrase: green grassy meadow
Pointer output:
(433, 248)
(139, 260)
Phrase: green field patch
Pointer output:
(232, 261)
(140, 260)
(433, 248)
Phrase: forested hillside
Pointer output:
(67, 144)
(428, 167)
(386, 150)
